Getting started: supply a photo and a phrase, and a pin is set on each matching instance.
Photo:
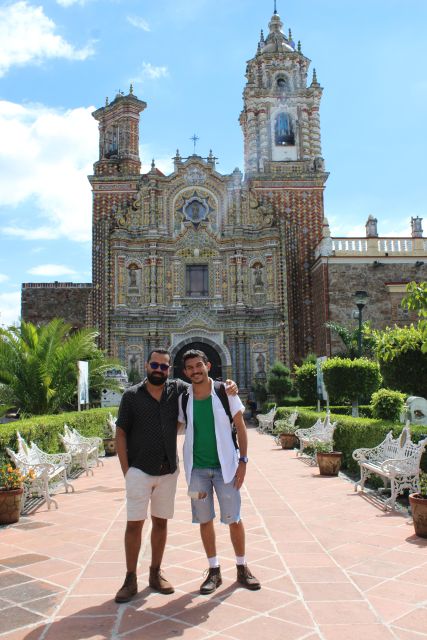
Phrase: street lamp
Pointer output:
(361, 298)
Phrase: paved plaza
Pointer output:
(333, 565)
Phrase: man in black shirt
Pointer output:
(146, 440)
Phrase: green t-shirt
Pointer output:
(205, 453)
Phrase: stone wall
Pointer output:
(41, 302)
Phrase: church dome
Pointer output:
(276, 41)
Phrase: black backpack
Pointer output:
(222, 395)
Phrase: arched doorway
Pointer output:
(212, 354)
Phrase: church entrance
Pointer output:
(212, 354)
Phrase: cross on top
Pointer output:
(194, 138)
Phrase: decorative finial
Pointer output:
(153, 165)
(275, 8)
(106, 101)
(262, 36)
(299, 46)
(131, 89)
(289, 35)
(177, 153)
(194, 138)
(314, 81)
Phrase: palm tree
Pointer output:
(349, 338)
(38, 365)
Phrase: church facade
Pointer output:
(198, 258)
(240, 265)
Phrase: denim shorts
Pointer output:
(205, 481)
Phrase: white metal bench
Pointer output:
(266, 421)
(49, 470)
(84, 450)
(395, 460)
(321, 431)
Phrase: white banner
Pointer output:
(322, 393)
(83, 382)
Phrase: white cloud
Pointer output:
(139, 23)
(27, 35)
(44, 166)
(10, 308)
(51, 270)
(69, 3)
(3, 277)
(151, 72)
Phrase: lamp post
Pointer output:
(361, 298)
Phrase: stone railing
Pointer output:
(379, 246)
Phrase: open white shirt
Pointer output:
(227, 453)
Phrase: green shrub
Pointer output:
(354, 433)
(44, 430)
(350, 380)
(306, 382)
(279, 383)
(387, 404)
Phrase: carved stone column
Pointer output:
(153, 275)
(217, 279)
(176, 293)
(239, 278)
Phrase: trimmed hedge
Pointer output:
(44, 430)
(354, 433)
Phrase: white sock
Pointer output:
(213, 562)
(240, 559)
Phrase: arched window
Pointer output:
(112, 142)
(282, 83)
(283, 130)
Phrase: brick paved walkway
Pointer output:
(333, 565)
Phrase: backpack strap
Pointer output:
(222, 395)
(184, 403)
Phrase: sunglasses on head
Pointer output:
(157, 365)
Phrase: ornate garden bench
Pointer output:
(266, 421)
(84, 451)
(395, 460)
(321, 431)
(49, 470)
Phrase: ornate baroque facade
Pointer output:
(201, 257)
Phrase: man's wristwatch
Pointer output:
(244, 459)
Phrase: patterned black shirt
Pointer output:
(150, 427)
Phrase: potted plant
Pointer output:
(285, 434)
(11, 493)
(110, 436)
(418, 502)
(329, 461)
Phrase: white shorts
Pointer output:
(142, 488)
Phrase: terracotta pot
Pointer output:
(110, 446)
(329, 463)
(288, 440)
(419, 514)
(10, 505)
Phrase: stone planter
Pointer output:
(419, 514)
(110, 446)
(329, 463)
(10, 505)
(288, 440)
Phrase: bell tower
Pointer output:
(285, 174)
(280, 117)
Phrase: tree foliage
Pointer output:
(306, 382)
(38, 365)
(402, 361)
(350, 380)
(279, 383)
(387, 404)
(416, 300)
(350, 339)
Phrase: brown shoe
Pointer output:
(128, 589)
(245, 577)
(159, 582)
(212, 582)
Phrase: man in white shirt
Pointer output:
(212, 461)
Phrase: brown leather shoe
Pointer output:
(128, 589)
(159, 582)
(245, 577)
(212, 582)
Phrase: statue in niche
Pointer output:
(132, 269)
(257, 274)
(260, 365)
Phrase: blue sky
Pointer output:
(59, 59)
